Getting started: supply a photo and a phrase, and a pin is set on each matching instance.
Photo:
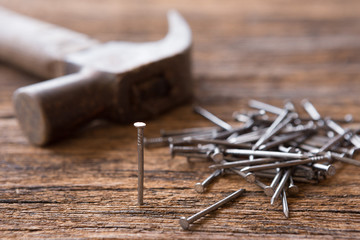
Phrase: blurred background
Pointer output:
(242, 49)
(270, 50)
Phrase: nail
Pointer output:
(352, 152)
(311, 110)
(340, 158)
(185, 222)
(329, 169)
(201, 186)
(280, 140)
(249, 116)
(335, 140)
(295, 178)
(225, 134)
(194, 155)
(188, 131)
(248, 137)
(285, 204)
(284, 164)
(304, 171)
(271, 130)
(249, 177)
(246, 152)
(269, 190)
(243, 163)
(156, 142)
(293, 189)
(212, 118)
(217, 156)
(260, 184)
(266, 107)
(179, 150)
(218, 142)
(281, 185)
(355, 140)
(140, 148)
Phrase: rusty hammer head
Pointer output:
(119, 81)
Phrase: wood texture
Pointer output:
(268, 50)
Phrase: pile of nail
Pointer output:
(273, 148)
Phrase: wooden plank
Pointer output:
(267, 50)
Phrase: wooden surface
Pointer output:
(267, 50)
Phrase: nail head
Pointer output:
(139, 124)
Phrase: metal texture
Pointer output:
(140, 149)
(185, 222)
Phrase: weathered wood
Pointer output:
(267, 50)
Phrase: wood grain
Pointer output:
(85, 187)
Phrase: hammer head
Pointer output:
(149, 78)
(120, 81)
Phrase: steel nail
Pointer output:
(311, 110)
(355, 140)
(243, 163)
(281, 186)
(340, 158)
(293, 189)
(249, 177)
(270, 190)
(259, 153)
(285, 204)
(201, 186)
(217, 156)
(156, 142)
(264, 106)
(280, 140)
(179, 150)
(185, 222)
(212, 118)
(217, 142)
(330, 170)
(188, 131)
(335, 140)
(284, 164)
(140, 148)
(271, 130)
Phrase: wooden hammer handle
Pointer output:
(51, 109)
(37, 47)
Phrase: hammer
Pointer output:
(118, 81)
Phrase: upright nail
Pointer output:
(140, 147)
